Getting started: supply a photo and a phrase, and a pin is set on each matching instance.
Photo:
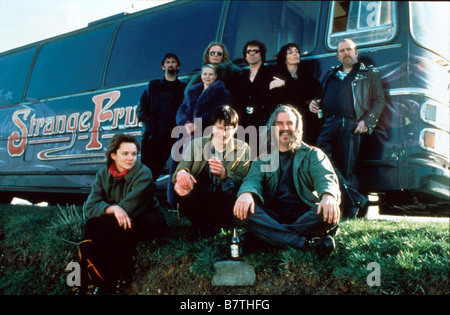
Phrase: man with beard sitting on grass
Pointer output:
(293, 203)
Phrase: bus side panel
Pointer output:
(397, 143)
(59, 145)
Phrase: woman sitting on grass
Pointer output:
(122, 211)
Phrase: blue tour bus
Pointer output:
(63, 98)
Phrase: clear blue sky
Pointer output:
(27, 21)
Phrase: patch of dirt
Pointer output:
(176, 278)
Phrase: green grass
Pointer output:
(36, 244)
(34, 248)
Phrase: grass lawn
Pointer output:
(372, 257)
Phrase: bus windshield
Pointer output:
(430, 25)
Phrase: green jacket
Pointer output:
(236, 159)
(133, 192)
(313, 176)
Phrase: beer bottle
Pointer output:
(320, 112)
(235, 246)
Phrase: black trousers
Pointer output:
(206, 209)
(154, 155)
(340, 143)
(110, 248)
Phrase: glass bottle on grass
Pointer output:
(235, 246)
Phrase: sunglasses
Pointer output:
(218, 53)
(252, 51)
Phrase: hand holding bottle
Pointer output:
(314, 106)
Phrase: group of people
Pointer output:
(297, 204)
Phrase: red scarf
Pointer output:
(115, 172)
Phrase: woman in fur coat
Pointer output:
(202, 99)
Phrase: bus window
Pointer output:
(274, 23)
(15, 68)
(430, 25)
(366, 22)
(142, 43)
(70, 65)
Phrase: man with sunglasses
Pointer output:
(256, 80)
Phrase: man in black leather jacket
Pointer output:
(351, 104)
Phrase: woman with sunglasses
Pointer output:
(292, 84)
(227, 72)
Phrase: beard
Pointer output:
(293, 143)
(349, 61)
(285, 133)
(172, 70)
(285, 137)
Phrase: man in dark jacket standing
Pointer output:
(290, 197)
(157, 110)
(352, 102)
(254, 109)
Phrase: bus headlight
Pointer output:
(435, 140)
(436, 114)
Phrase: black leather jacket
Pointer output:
(368, 94)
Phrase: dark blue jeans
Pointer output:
(340, 143)
(293, 234)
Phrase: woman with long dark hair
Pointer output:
(292, 85)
